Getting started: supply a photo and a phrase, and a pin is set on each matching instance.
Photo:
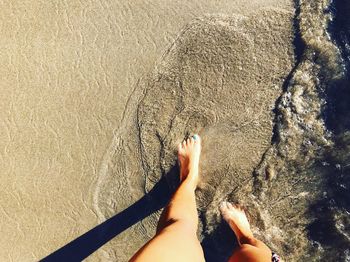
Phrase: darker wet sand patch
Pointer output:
(220, 78)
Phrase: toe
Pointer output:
(196, 137)
(223, 206)
(236, 206)
(239, 207)
(184, 143)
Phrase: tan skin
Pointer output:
(176, 237)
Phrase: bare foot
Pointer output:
(188, 154)
(237, 220)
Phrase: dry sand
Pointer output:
(67, 70)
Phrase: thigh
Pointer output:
(249, 253)
(176, 242)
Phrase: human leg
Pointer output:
(176, 237)
(250, 249)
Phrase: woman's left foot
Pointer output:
(188, 154)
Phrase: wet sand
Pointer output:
(203, 84)
(68, 70)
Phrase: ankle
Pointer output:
(190, 182)
(244, 239)
(243, 236)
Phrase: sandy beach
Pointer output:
(93, 91)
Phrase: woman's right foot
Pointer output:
(188, 154)
(235, 216)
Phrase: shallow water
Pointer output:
(331, 231)
(310, 147)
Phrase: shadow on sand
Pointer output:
(217, 246)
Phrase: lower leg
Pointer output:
(250, 248)
(176, 238)
(183, 199)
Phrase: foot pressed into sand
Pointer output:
(188, 154)
(236, 218)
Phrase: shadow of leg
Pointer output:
(219, 245)
(86, 244)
